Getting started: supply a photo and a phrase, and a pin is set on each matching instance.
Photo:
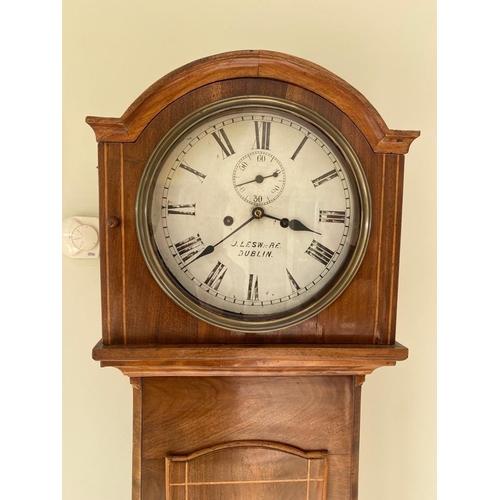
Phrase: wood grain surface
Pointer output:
(267, 418)
(248, 360)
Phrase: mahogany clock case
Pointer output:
(136, 310)
(221, 413)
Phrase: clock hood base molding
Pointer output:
(247, 360)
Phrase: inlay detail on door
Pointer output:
(247, 470)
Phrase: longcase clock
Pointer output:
(250, 213)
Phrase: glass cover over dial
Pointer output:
(253, 214)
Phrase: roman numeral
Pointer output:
(221, 137)
(189, 247)
(181, 209)
(321, 253)
(262, 135)
(216, 275)
(253, 287)
(324, 178)
(295, 286)
(200, 176)
(297, 151)
(331, 216)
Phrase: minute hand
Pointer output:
(294, 224)
(210, 248)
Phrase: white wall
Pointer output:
(115, 49)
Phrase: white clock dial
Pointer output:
(256, 217)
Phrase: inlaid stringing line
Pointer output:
(106, 212)
(379, 257)
(308, 478)
(122, 208)
(325, 475)
(185, 482)
(391, 297)
(262, 481)
(167, 479)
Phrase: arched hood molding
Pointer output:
(253, 64)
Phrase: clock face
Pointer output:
(253, 214)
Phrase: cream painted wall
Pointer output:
(115, 49)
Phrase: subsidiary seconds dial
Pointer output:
(259, 177)
(253, 215)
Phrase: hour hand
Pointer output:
(294, 224)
